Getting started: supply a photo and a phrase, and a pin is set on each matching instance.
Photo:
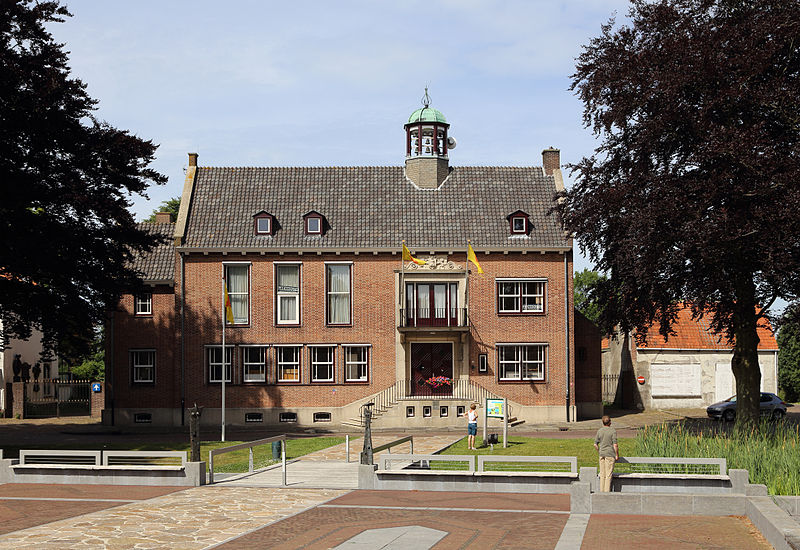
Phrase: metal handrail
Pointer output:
(395, 443)
(250, 445)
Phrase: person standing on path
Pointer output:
(606, 444)
(472, 426)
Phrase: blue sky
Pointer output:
(251, 83)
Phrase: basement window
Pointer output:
(142, 418)
(322, 417)
(287, 417)
(460, 410)
(253, 417)
(426, 411)
(444, 411)
(409, 412)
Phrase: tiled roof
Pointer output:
(697, 334)
(159, 263)
(372, 207)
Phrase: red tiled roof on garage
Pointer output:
(697, 334)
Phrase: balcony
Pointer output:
(434, 319)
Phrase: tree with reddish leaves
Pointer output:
(693, 194)
(66, 234)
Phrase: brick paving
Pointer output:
(673, 532)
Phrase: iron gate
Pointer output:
(47, 398)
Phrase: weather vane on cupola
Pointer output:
(426, 99)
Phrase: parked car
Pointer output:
(771, 405)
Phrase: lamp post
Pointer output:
(366, 453)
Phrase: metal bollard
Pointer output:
(347, 448)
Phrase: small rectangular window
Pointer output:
(143, 366)
(254, 417)
(426, 411)
(322, 417)
(143, 303)
(287, 417)
(214, 358)
(483, 363)
(518, 224)
(288, 363)
(337, 285)
(521, 362)
(356, 363)
(409, 412)
(254, 364)
(444, 411)
(287, 293)
(237, 283)
(142, 418)
(521, 296)
(460, 411)
(322, 364)
(313, 225)
(264, 226)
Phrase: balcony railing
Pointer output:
(434, 317)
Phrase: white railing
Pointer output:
(250, 445)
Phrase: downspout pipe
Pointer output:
(183, 340)
(566, 329)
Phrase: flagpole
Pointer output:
(223, 353)
(466, 290)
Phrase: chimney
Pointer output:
(192, 159)
(551, 160)
(163, 217)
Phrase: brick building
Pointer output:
(326, 314)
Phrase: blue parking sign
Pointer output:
(97, 387)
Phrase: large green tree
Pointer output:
(584, 284)
(789, 352)
(66, 235)
(692, 194)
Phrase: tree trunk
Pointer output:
(745, 358)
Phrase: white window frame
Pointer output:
(246, 363)
(228, 361)
(318, 220)
(348, 363)
(538, 356)
(137, 366)
(268, 230)
(349, 293)
(519, 296)
(279, 293)
(316, 363)
(524, 224)
(141, 305)
(225, 266)
(280, 365)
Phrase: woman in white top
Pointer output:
(472, 426)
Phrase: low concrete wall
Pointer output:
(494, 482)
(775, 524)
(192, 475)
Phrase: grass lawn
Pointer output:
(582, 448)
(234, 462)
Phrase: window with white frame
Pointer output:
(143, 303)
(519, 224)
(288, 363)
(264, 225)
(214, 358)
(521, 361)
(254, 364)
(237, 283)
(521, 295)
(322, 363)
(287, 293)
(337, 285)
(143, 366)
(356, 363)
(313, 225)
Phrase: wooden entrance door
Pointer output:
(429, 360)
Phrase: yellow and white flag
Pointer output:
(407, 257)
(472, 258)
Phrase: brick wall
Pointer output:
(374, 300)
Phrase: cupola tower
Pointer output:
(427, 146)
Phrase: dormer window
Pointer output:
(520, 224)
(314, 223)
(263, 223)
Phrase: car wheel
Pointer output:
(729, 415)
(777, 414)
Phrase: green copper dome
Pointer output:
(427, 114)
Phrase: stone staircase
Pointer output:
(463, 390)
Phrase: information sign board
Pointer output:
(494, 408)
